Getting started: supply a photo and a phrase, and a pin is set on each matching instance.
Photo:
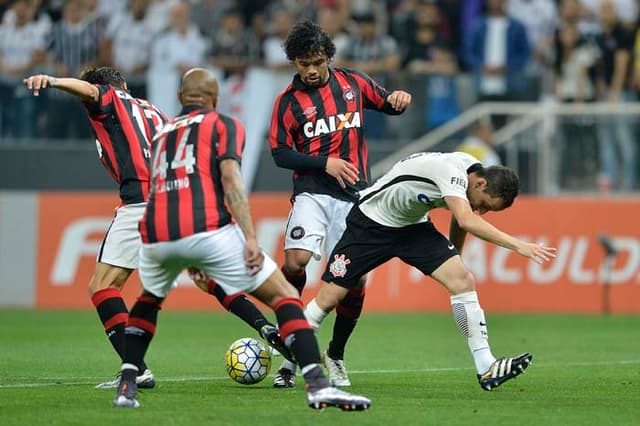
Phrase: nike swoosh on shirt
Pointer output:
(451, 247)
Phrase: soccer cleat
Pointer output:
(126, 395)
(143, 381)
(284, 378)
(334, 397)
(272, 336)
(337, 371)
(504, 369)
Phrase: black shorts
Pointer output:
(366, 245)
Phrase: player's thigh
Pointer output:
(220, 255)
(121, 244)
(364, 245)
(160, 265)
(307, 223)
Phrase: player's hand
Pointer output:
(536, 252)
(343, 171)
(253, 257)
(199, 278)
(399, 100)
(37, 82)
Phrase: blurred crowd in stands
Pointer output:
(449, 54)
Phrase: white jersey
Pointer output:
(414, 186)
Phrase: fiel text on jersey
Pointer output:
(332, 124)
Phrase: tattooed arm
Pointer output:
(238, 204)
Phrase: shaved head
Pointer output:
(199, 87)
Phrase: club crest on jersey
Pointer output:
(310, 112)
(338, 267)
(332, 124)
(348, 94)
(297, 232)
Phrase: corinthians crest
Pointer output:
(338, 267)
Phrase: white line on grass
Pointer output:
(58, 381)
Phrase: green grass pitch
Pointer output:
(415, 367)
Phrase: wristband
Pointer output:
(52, 81)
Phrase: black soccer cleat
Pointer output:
(504, 369)
(284, 378)
(334, 397)
(272, 336)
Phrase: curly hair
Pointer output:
(502, 182)
(103, 75)
(307, 39)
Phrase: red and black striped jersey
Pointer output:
(309, 124)
(124, 127)
(186, 190)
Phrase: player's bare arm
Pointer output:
(474, 224)
(457, 235)
(342, 170)
(82, 89)
(238, 203)
(399, 100)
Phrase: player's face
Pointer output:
(313, 70)
(481, 202)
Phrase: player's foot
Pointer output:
(126, 395)
(284, 378)
(143, 381)
(272, 336)
(146, 380)
(504, 369)
(334, 397)
(337, 371)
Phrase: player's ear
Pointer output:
(481, 183)
(214, 102)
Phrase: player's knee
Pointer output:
(464, 283)
(296, 261)
(105, 279)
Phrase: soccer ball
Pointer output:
(248, 361)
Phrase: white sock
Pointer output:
(314, 314)
(470, 319)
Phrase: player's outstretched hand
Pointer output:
(343, 171)
(399, 100)
(253, 257)
(37, 82)
(537, 252)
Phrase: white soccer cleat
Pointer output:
(334, 397)
(144, 381)
(338, 375)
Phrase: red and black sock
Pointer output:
(140, 329)
(296, 331)
(240, 305)
(114, 314)
(298, 281)
(347, 314)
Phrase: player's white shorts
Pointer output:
(219, 254)
(122, 242)
(316, 220)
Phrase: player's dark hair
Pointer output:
(502, 182)
(307, 39)
(103, 75)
